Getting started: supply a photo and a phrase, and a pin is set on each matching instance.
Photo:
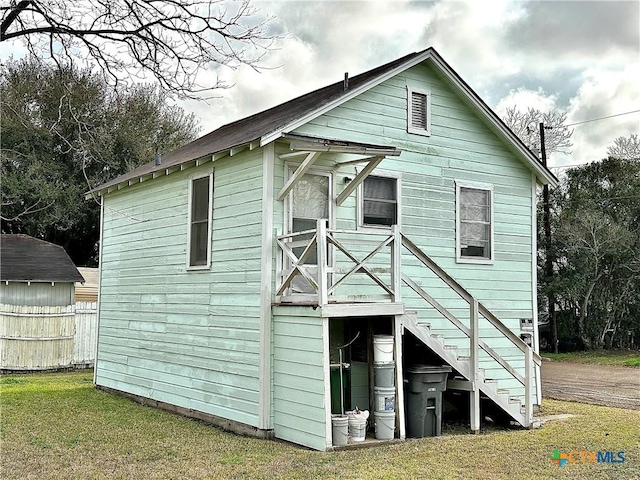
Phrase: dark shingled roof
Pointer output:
(252, 128)
(24, 258)
(261, 124)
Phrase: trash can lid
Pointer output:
(429, 369)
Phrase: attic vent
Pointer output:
(419, 116)
(419, 110)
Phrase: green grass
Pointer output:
(58, 426)
(625, 358)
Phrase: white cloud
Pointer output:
(604, 93)
(524, 99)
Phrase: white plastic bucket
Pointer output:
(383, 374)
(385, 425)
(339, 430)
(383, 348)
(357, 428)
(384, 398)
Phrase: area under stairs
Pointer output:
(466, 359)
(460, 361)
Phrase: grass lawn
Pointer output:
(58, 426)
(625, 358)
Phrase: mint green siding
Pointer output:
(188, 338)
(461, 147)
(299, 377)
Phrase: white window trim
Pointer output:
(360, 200)
(192, 178)
(478, 186)
(410, 127)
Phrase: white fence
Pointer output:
(46, 337)
(84, 341)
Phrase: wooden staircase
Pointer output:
(466, 360)
(461, 362)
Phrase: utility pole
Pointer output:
(547, 243)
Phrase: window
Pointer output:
(418, 112)
(379, 206)
(200, 193)
(474, 223)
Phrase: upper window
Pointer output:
(474, 223)
(201, 190)
(418, 111)
(379, 204)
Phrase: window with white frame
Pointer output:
(418, 111)
(200, 212)
(379, 201)
(474, 222)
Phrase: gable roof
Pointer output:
(269, 125)
(27, 259)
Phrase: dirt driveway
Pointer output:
(597, 384)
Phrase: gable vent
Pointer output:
(419, 110)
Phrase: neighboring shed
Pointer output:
(37, 304)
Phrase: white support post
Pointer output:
(397, 331)
(528, 369)
(475, 350)
(297, 175)
(321, 243)
(396, 268)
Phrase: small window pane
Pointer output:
(379, 205)
(199, 243)
(200, 199)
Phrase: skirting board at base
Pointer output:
(219, 422)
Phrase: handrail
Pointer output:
(464, 293)
(476, 309)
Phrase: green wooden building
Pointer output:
(394, 202)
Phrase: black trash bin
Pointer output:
(424, 399)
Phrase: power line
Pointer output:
(602, 118)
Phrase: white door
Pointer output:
(309, 201)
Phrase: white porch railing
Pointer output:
(340, 255)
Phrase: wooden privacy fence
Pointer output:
(85, 338)
(47, 337)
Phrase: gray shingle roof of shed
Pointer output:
(24, 258)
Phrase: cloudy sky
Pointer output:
(582, 57)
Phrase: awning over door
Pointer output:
(311, 148)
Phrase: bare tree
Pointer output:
(625, 148)
(170, 40)
(525, 125)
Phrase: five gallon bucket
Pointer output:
(382, 348)
(339, 430)
(385, 399)
(385, 425)
(383, 374)
(357, 428)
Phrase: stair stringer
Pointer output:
(513, 406)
